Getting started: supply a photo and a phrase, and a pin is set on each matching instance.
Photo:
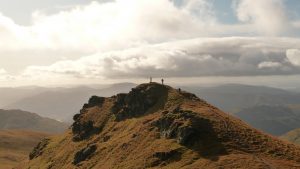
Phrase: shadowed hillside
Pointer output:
(22, 120)
(275, 120)
(244, 96)
(156, 126)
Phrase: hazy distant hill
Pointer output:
(63, 103)
(275, 120)
(292, 136)
(22, 120)
(11, 95)
(234, 97)
(15, 145)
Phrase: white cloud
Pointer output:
(293, 56)
(267, 16)
(269, 65)
(4, 76)
(190, 58)
(122, 24)
(138, 38)
(112, 25)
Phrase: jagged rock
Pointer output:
(94, 101)
(82, 130)
(138, 101)
(178, 125)
(38, 150)
(76, 117)
(84, 154)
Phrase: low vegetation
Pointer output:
(156, 126)
(15, 145)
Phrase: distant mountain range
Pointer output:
(235, 97)
(275, 120)
(63, 103)
(10, 95)
(23, 120)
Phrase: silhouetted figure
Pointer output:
(150, 79)
(179, 90)
(162, 81)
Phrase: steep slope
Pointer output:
(15, 145)
(22, 120)
(275, 120)
(292, 136)
(156, 126)
(63, 103)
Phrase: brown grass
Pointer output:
(15, 146)
(133, 142)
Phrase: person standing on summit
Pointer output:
(162, 81)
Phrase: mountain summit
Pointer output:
(156, 126)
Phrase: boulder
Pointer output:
(84, 154)
(83, 130)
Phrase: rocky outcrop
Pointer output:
(83, 130)
(84, 154)
(94, 101)
(178, 125)
(190, 130)
(38, 150)
(139, 100)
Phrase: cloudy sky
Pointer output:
(58, 42)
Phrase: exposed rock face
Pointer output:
(82, 130)
(177, 125)
(138, 101)
(94, 101)
(84, 154)
(190, 130)
(38, 150)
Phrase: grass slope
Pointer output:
(160, 137)
(292, 136)
(15, 146)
